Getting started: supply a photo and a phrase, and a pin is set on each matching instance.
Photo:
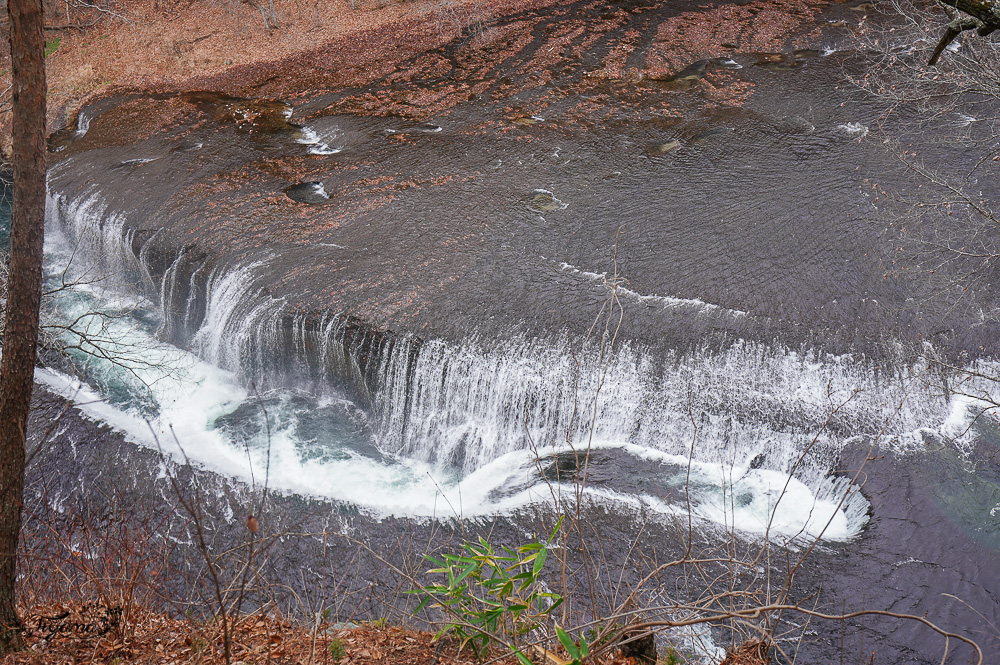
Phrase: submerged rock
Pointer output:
(667, 147)
(308, 192)
(714, 133)
(779, 62)
(543, 200)
(527, 120)
(252, 115)
(694, 72)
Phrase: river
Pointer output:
(423, 314)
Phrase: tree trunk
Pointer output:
(987, 11)
(24, 290)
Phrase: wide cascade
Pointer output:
(480, 423)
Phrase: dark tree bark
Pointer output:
(984, 18)
(986, 11)
(24, 290)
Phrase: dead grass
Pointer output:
(751, 652)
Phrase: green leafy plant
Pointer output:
(51, 46)
(337, 651)
(576, 652)
(492, 595)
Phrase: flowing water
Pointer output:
(437, 423)
(403, 320)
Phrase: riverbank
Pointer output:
(73, 633)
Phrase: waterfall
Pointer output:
(470, 403)
(751, 413)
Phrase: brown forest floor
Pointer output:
(64, 634)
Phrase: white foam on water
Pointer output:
(317, 145)
(762, 500)
(138, 161)
(750, 501)
(766, 501)
(319, 190)
(82, 124)
(183, 430)
(667, 302)
(853, 129)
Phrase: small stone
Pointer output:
(543, 200)
(337, 627)
(669, 146)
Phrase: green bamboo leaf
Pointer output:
(568, 643)
(539, 561)
(465, 572)
(555, 530)
(522, 658)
